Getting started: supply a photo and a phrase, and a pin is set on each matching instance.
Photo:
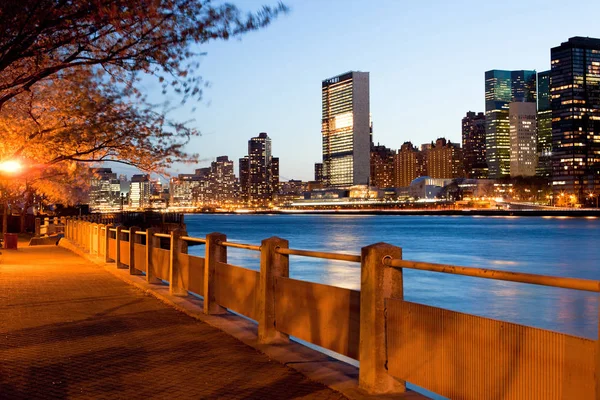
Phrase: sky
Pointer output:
(426, 61)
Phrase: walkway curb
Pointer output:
(316, 366)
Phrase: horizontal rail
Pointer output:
(162, 235)
(544, 280)
(192, 239)
(319, 254)
(143, 233)
(113, 229)
(239, 246)
(125, 231)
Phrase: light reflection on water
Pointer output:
(550, 246)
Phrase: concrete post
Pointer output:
(107, 244)
(214, 253)
(118, 248)
(93, 237)
(37, 227)
(377, 282)
(133, 239)
(151, 242)
(99, 238)
(272, 265)
(178, 246)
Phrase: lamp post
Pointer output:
(8, 168)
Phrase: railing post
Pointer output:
(99, 238)
(178, 246)
(151, 242)
(37, 227)
(107, 244)
(133, 239)
(377, 282)
(215, 252)
(272, 265)
(118, 248)
(91, 240)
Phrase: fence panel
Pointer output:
(463, 356)
(236, 288)
(327, 316)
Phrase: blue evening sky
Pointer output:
(426, 61)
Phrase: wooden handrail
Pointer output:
(544, 280)
(319, 254)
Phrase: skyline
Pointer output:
(247, 96)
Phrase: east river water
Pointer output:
(550, 246)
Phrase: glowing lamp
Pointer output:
(10, 166)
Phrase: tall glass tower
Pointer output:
(575, 102)
(345, 127)
(544, 125)
(502, 88)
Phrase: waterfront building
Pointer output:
(183, 189)
(444, 160)
(409, 163)
(139, 191)
(218, 184)
(382, 167)
(318, 172)
(244, 176)
(473, 144)
(523, 140)
(544, 126)
(575, 103)
(502, 88)
(346, 129)
(259, 171)
(105, 190)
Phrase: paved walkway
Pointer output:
(69, 329)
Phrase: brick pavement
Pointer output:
(69, 329)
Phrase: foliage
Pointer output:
(68, 73)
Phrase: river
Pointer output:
(549, 246)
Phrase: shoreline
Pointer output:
(579, 213)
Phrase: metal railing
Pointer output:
(319, 254)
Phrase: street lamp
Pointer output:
(10, 167)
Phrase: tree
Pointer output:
(68, 72)
(122, 37)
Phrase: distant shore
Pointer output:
(458, 212)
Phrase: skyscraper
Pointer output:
(382, 167)
(105, 190)
(523, 139)
(502, 88)
(575, 101)
(346, 129)
(409, 164)
(139, 191)
(444, 160)
(544, 126)
(473, 143)
(259, 182)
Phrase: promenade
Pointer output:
(70, 329)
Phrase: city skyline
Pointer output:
(420, 55)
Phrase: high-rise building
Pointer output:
(473, 143)
(244, 168)
(183, 189)
(319, 172)
(382, 167)
(105, 190)
(523, 139)
(259, 171)
(346, 129)
(218, 185)
(575, 103)
(139, 191)
(408, 165)
(444, 160)
(502, 88)
(544, 126)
